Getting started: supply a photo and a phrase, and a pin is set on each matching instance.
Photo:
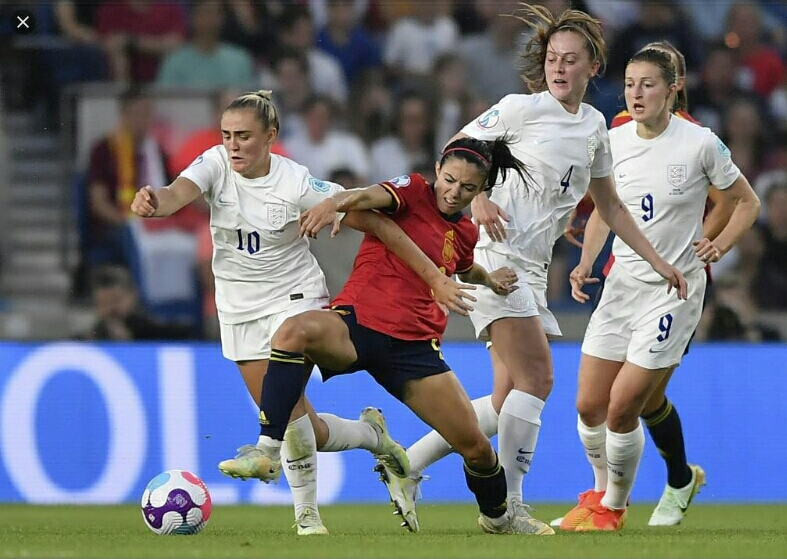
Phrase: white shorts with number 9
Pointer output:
(251, 341)
(641, 323)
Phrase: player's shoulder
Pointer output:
(285, 165)
(686, 116)
(413, 181)
(622, 130)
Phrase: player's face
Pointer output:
(648, 96)
(247, 144)
(568, 67)
(458, 182)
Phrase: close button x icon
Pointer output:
(25, 22)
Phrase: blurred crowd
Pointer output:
(372, 89)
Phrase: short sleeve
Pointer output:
(314, 191)
(507, 117)
(404, 190)
(205, 171)
(717, 162)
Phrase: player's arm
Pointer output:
(719, 214)
(746, 204)
(502, 281)
(617, 216)
(374, 197)
(167, 200)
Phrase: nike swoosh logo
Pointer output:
(288, 461)
(622, 175)
(543, 141)
(523, 451)
(651, 350)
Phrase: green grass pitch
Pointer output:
(371, 531)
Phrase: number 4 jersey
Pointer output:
(260, 263)
(562, 152)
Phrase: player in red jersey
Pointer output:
(660, 415)
(385, 320)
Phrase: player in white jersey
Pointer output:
(265, 273)
(663, 166)
(565, 146)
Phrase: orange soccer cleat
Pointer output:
(602, 519)
(580, 512)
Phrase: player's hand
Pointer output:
(707, 251)
(574, 228)
(490, 216)
(502, 281)
(314, 219)
(145, 202)
(674, 279)
(578, 278)
(451, 295)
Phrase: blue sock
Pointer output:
(282, 387)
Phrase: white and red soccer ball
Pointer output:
(176, 502)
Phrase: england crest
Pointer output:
(676, 174)
(277, 215)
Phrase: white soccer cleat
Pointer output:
(674, 503)
(252, 462)
(309, 523)
(388, 452)
(516, 520)
(404, 493)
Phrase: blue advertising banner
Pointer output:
(84, 423)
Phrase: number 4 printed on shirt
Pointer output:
(564, 182)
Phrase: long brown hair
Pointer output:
(545, 24)
(681, 98)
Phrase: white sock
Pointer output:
(273, 445)
(432, 447)
(344, 434)
(299, 462)
(624, 452)
(518, 426)
(594, 439)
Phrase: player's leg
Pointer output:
(441, 402)
(521, 345)
(684, 480)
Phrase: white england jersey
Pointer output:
(664, 183)
(562, 151)
(260, 263)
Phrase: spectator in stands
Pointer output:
(411, 142)
(251, 25)
(493, 56)
(760, 69)
(321, 147)
(771, 283)
(717, 86)
(745, 133)
(452, 90)
(118, 313)
(138, 34)
(120, 163)
(84, 59)
(372, 103)
(414, 43)
(343, 38)
(291, 86)
(205, 61)
(296, 30)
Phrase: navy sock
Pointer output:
(281, 389)
(667, 433)
(489, 488)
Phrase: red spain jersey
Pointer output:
(387, 295)
(622, 118)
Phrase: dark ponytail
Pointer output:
(493, 157)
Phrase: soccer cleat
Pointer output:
(404, 493)
(389, 452)
(580, 512)
(674, 503)
(603, 519)
(252, 462)
(309, 523)
(516, 520)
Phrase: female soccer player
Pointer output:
(565, 145)
(661, 417)
(664, 167)
(385, 320)
(265, 272)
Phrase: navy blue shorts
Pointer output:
(390, 361)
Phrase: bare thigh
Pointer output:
(442, 403)
(522, 347)
(631, 390)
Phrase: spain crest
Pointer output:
(448, 250)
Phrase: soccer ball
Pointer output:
(176, 502)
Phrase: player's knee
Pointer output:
(537, 380)
(622, 415)
(292, 335)
(592, 411)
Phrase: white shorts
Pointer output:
(251, 341)
(641, 323)
(522, 303)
